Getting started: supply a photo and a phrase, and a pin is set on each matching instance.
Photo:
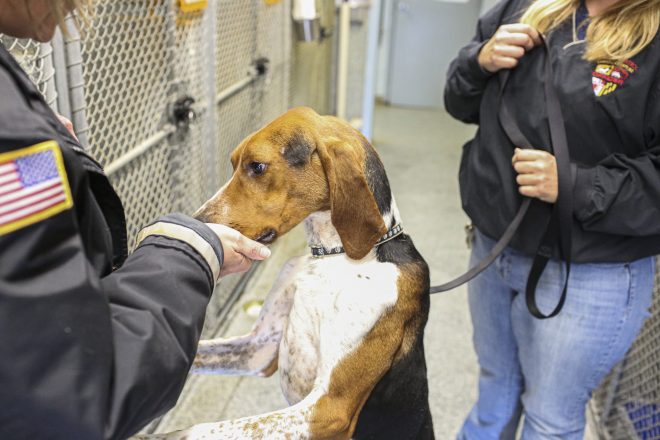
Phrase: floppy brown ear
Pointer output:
(354, 212)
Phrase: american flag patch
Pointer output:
(33, 186)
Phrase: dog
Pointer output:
(345, 324)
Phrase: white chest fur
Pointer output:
(336, 302)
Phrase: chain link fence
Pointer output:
(627, 404)
(37, 60)
(134, 77)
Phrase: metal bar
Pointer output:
(140, 149)
(370, 75)
(76, 82)
(230, 91)
(343, 53)
(211, 150)
(61, 77)
(48, 72)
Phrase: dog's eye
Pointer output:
(257, 168)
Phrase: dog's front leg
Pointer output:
(254, 354)
(351, 365)
(299, 422)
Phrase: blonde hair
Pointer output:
(616, 35)
(61, 7)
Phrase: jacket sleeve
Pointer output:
(466, 80)
(621, 194)
(91, 357)
(157, 301)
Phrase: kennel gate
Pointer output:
(136, 65)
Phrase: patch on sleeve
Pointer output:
(33, 186)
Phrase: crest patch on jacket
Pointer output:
(607, 77)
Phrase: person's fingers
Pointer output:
(504, 62)
(530, 179)
(529, 167)
(251, 249)
(523, 41)
(239, 263)
(529, 191)
(522, 28)
(535, 35)
(507, 50)
(526, 154)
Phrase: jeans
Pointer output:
(547, 369)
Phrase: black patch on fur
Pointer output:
(297, 150)
(399, 251)
(398, 407)
(377, 179)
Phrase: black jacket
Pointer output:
(92, 345)
(612, 119)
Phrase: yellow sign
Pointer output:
(272, 2)
(193, 5)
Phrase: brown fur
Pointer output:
(336, 414)
(333, 178)
(292, 187)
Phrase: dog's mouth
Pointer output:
(267, 237)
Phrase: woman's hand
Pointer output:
(507, 46)
(239, 251)
(537, 174)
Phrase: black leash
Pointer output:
(558, 229)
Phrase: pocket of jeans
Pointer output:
(630, 297)
(611, 282)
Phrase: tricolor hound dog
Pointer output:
(345, 328)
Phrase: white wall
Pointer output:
(385, 42)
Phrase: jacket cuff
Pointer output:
(585, 197)
(192, 232)
(473, 68)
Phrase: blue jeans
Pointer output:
(547, 369)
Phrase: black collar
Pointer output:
(320, 251)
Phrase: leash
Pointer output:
(558, 228)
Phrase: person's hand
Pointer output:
(537, 174)
(239, 251)
(507, 46)
(68, 125)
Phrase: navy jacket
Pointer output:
(93, 344)
(612, 118)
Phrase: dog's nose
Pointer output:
(267, 237)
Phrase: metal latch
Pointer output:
(182, 113)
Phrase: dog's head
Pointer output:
(299, 164)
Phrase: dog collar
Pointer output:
(320, 251)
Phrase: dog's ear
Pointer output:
(354, 212)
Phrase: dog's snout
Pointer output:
(267, 237)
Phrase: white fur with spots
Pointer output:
(317, 314)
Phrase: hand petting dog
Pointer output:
(239, 251)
